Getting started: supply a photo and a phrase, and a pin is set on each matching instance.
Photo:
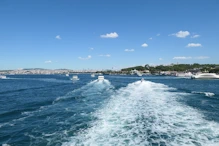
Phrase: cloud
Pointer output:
(107, 55)
(129, 50)
(194, 45)
(58, 37)
(181, 58)
(150, 38)
(91, 49)
(110, 35)
(195, 36)
(158, 34)
(184, 58)
(160, 58)
(48, 61)
(144, 45)
(86, 58)
(202, 57)
(181, 34)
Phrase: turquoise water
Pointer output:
(121, 110)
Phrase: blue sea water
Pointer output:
(121, 110)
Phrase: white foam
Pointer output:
(146, 113)
(5, 144)
(208, 94)
(93, 87)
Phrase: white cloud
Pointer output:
(195, 36)
(48, 61)
(144, 45)
(58, 37)
(182, 58)
(158, 34)
(150, 38)
(194, 45)
(107, 55)
(86, 58)
(160, 58)
(202, 57)
(110, 35)
(181, 34)
(129, 50)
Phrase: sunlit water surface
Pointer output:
(121, 110)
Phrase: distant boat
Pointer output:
(67, 75)
(189, 74)
(206, 76)
(3, 77)
(92, 75)
(99, 73)
(138, 73)
(100, 78)
(142, 79)
(75, 78)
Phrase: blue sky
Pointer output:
(95, 34)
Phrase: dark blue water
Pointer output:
(121, 110)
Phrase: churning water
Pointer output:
(121, 110)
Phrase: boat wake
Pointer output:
(147, 113)
(91, 89)
(74, 107)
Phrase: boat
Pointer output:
(3, 77)
(67, 75)
(188, 74)
(92, 75)
(74, 78)
(100, 78)
(205, 76)
(138, 73)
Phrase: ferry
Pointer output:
(205, 76)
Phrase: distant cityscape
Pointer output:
(172, 69)
(44, 71)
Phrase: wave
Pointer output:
(208, 94)
(33, 88)
(91, 89)
(5, 144)
(147, 113)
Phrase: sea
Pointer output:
(121, 110)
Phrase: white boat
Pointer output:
(205, 76)
(74, 78)
(188, 74)
(2, 77)
(142, 79)
(92, 75)
(100, 78)
(67, 75)
(138, 73)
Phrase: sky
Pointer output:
(107, 34)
